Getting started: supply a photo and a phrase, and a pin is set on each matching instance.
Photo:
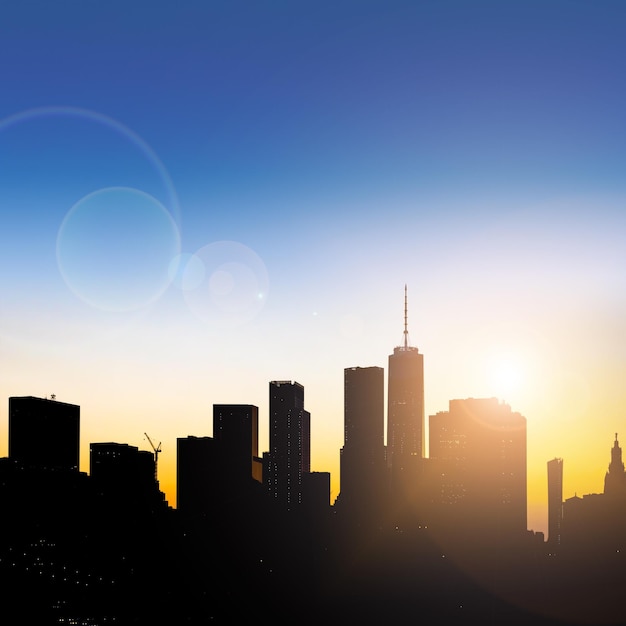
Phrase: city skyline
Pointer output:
(169, 490)
(360, 401)
(303, 164)
(453, 547)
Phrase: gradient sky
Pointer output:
(199, 197)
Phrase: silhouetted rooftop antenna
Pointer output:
(406, 331)
(156, 449)
(406, 344)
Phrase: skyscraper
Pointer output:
(405, 401)
(555, 502)
(120, 465)
(363, 473)
(44, 433)
(478, 449)
(405, 419)
(615, 478)
(236, 430)
(290, 443)
(216, 473)
(197, 473)
(125, 475)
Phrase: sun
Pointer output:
(506, 375)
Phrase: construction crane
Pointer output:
(156, 450)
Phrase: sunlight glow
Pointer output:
(506, 375)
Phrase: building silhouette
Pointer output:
(117, 463)
(289, 457)
(236, 430)
(213, 473)
(615, 477)
(594, 525)
(478, 457)
(405, 424)
(316, 492)
(44, 433)
(197, 471)
(125, 475)
(363, 470)
(555, 503)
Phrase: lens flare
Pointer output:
(230, 284)
(115, 247)
(79, 114)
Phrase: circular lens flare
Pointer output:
(115, 247)
(230, 283)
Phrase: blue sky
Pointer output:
(322, 154)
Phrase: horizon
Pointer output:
(170, 492)
(197, 200)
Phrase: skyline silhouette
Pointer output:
(404, 379)
(30, 448)
(412, 392)
(450, 544)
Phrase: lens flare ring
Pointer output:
(226, 283)
(114, 249)
(109, 122)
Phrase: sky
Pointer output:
(200, 197)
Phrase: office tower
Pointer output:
(478, 448)
(615, 478)
(117, 463)
(405, 419)
(44, 433)
(236, 431)
(555, 502)
(290, 443)
(197, 474)
(405, 401)
(316, 491)
(124, 473)
(363, 472)
(216, 473)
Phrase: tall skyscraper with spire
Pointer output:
(405, 399)
(405, 418)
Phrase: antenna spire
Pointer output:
(406, 332)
